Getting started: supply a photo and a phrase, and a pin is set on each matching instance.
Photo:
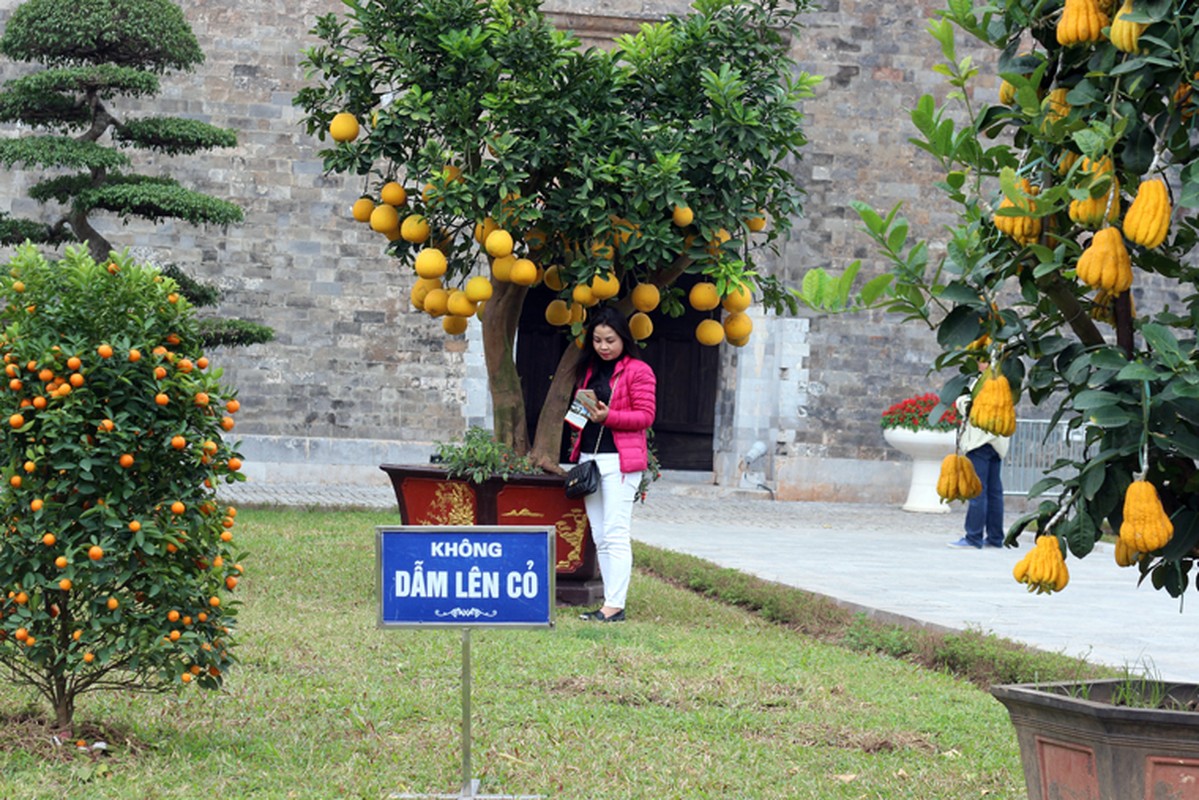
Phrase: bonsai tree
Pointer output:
(117, 563)
(495, 154)
(1066, 185)
(93, 52)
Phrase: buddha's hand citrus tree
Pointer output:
(1071, 187)
(116, 563)
(495, 154)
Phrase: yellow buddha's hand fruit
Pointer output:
(1124, 34)
(958, 480)
(1148, 218)
(1105, 264)
(1145, 528)
(1023, 229)
(1125, 555)
(1092, 211)
(993, 410)
(1043, 569)
(1081, 21)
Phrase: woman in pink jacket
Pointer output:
(626, 391)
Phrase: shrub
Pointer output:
(115, 563)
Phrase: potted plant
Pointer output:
(910, 427)
(1065, 184)
(494, 186)
(482, 481)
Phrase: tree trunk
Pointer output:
(547, 442)
(501, 316)
(97, 245)
(64, 704)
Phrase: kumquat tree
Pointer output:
(1075, 188)
(496, 154)
(116, 563)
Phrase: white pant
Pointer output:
(610, 514)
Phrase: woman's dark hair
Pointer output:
(606, 315)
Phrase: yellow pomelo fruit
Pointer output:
(536, 237)
(756, 224)
(722, 236)
(602, 250)
(417, 295)
(738, 299)
(641, 326)
(704, 297)
(435, 302)
(392, 235)
(459, 305)
(553, 279)
(739, 342)
(524, 272)
(646, 297)
(478, 289)
(578, 313)
(709, 332)
(738, 325)
(430, 263)
(484, 229)
(501, 268)
(362, 208)
(682, 216)
(557, 313)
(344, 127)
(582, 294)
(454, 326)
(393, 194)
(452, 173)
(384, 218)
(605, 286)
(498, 244)
(415, 229)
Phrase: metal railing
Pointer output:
(1035, 446)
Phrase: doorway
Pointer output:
(687, 375)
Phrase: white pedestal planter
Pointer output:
(927, 449)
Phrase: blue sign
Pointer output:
(466, 576)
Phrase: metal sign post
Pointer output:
(464, 577)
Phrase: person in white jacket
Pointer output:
(984, 515)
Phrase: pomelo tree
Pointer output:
(116, 562)
(1075, 187)
(93, 54)
(495, 153)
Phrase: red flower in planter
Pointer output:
(913, 414)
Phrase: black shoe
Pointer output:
(598, 616)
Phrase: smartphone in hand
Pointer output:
(580, 409)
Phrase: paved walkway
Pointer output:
(882, 559)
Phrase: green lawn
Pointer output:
(690, 699)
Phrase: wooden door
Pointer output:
(686, 372)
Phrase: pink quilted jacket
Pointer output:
(634, 403)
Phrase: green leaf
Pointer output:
(1137, 371)
(960, 327)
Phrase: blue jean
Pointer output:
(985, 512)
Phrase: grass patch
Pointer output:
(693, 698)
(978, 657)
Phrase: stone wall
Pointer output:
(352, 371)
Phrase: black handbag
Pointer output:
(582, 480)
